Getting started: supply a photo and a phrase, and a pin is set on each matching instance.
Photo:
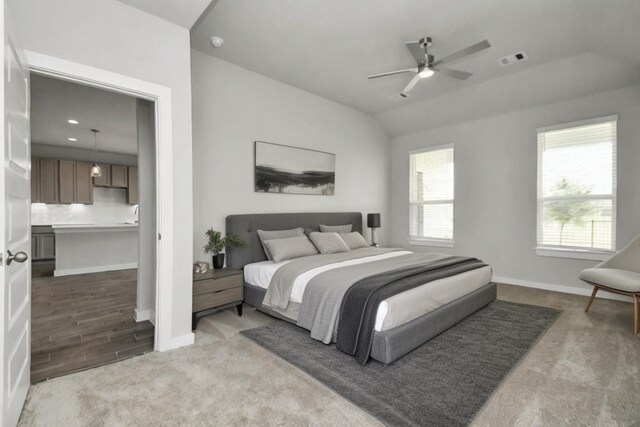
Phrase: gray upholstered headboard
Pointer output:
(246, 227)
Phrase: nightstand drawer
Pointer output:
(217, 284)
(215, 299)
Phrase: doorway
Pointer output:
(16, 271)
(93, 226)
(160, 97)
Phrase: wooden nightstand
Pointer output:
(215, 290)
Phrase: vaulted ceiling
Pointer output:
(184, 13)
(328, 47)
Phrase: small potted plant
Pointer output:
(217, 244)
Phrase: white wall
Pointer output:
(495, 184)
(110, 35)
(146, 304)
(233, 107)
(109, 207)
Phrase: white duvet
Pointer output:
(394, 311)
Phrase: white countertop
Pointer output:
(93, 228)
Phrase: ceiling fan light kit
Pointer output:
(426, 73)
(426, 63)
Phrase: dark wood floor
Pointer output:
(83, 321)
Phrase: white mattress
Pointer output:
(394, 311)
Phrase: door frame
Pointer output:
(161, 97)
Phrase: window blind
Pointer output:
(577, 185)
(432, 194)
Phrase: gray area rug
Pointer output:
(445, 382)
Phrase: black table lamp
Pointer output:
(373, 222)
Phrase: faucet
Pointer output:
(136, 213)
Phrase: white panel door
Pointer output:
(15, 225)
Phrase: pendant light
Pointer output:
(95, 169)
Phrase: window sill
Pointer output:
(594, 255)
(421, 241)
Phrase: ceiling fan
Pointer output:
(428, 66)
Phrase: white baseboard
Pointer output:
(177, 342)
(97, 269)
(561, 288)
(142, 315)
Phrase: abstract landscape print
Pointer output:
(291, 170)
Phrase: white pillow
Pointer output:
(354, 240)
(290, 247)
(335, 228)
(329, 243)
(265, 235)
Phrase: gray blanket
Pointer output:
(360, 304)
(320, 308)
(279, 291)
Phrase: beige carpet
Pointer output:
(583, 371)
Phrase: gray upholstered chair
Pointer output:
(619, 274)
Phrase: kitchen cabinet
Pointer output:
(119, 176)
(70, 181)
(46, 246)
(75, 182)
(43, 243)
(34, 247)
(133, 192)
(112, 176)
(104, 180)
(84, 184)
(35, 173)
(48, 178)
(67, 181)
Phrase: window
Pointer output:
(431, 197)
(577, 188)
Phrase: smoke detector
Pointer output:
(216, 41)
(513, 58)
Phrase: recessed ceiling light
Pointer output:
(72, 139)
(72, 121)
(216, 41)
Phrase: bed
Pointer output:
(403, 321)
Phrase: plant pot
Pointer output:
(218, 261)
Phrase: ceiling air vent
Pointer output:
(398, 96)
(513, 58)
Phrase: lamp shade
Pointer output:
(373, 220)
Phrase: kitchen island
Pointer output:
(91, 248)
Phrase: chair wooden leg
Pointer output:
(636, 314)
(593, 296)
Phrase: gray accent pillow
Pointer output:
(290, 247)
(265, 235)
(354, 240)
(329, 243)
(336, 228)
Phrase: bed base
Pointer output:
(388, 346)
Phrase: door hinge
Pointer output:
(159, 236)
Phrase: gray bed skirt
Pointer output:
(388, 346)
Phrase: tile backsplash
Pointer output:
(109, 207)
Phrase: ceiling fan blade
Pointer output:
(484, 44)
(414, 81)
(456, 74)
(390, 73)
(417, 52)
